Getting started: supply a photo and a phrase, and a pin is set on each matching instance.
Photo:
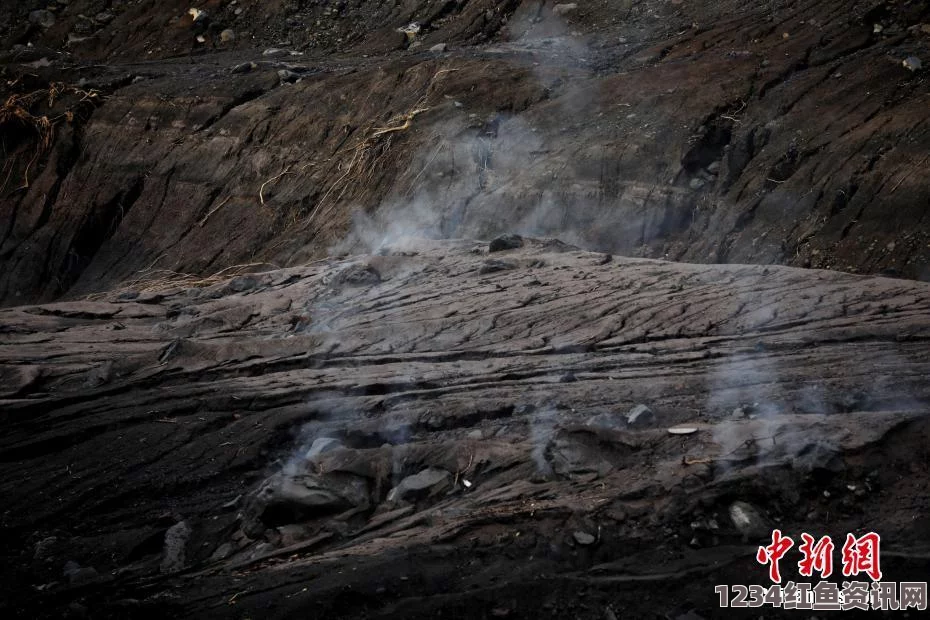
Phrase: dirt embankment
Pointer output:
(786, 132)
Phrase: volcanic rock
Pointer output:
(175, 552)
(42, 18)
(505, 242)
(640, 416)
(749, 521)
(427, 483)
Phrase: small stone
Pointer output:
(605, 420)
(563, 9)
(428, 483)
(439, 48)
(274, 51)
(78, 574)
(505, 242)
(293, 534)
(640, 416)
(475, 434)
(286, 75)
(261, 549)
(714, 167)
(290, 498)
(227, 36)
(749, 521)
(244, 67)
(42, 18)
(222, 552)
(99, 375)
(198, 15)
(912, 63)
(697, 183)
(44, 547)
(104, 17)
(411, 30)
(583, 538)
(322, 445)
(175, 547)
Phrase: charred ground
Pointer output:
(158, 412)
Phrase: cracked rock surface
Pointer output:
(806, 389)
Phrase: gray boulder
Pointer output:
(78, 574)
(42, 18)
(287, 498)
(505, 242)
(640, 416)
(175, 553)
(428, 483)
(749, 521)
(322, 445)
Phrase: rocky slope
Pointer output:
(766, 132)
(438, 427)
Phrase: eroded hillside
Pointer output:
(768, 132)
(259, 359)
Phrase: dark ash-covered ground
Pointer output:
(129, 415)
(252, 365)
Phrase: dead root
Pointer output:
(19, 118)
(358, 163)
(152, 280)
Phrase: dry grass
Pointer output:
(363, 160)
(152, 280)
(358, 163)
(17, 117)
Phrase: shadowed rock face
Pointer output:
(143, 409)
(735, 132)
